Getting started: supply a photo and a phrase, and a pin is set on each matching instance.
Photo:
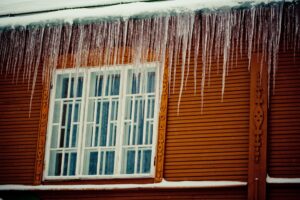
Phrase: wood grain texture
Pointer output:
(211, 144)
(284, 122)
(162, 129)
(18, 131)
(257, 168)
(238, 193)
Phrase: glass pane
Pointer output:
(114, 111)
(115, 85)
(146, 163)
(104, 124)
(150, 108)
(109, 164)
(62, 137)
(130, 162)
(89, 135)
(98, 112)
(54, 137)
(55, 163)
(108, 85)
(56, 114)
(101, 162)
(91, 111)
(127, 133)
(151, 82)
(128, 108)
(58, 163)
(141, 122)
(73, 163)
(96, 139)
(65, 85)
(76, 112)
(68, 127)
(64, 114)
(112, 135)
(79, 87)
(93, 160)
(74, 135)
(139, 161)
(66, 161)
(76, 85)
(72, 87)
(98, 86)
(135, 84)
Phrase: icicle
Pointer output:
(170, 38)
(38, 49)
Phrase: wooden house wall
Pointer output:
(211, 144)
(284, 119)
(176, 194)
(207, 145)
(18, 131)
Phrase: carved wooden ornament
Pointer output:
(40, 151)
(162, 127)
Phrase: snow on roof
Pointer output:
(134, 9)
(12, 7)
(163, 184)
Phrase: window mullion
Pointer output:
(82, 124)
(120, 121)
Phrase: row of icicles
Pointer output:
(219, 35)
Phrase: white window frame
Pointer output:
(87, 71)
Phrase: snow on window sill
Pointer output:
(161, 185)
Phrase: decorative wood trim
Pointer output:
(257, 166)
(162, 129)
(40, 150)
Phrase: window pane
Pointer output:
(79, 87)
(66, 161)
(128, 108)
(93, 160)
(141, 122)
(146, 163)
(73, 163)
(62, 137)
(91, 110)
(115, 84)
(109, 164)
(56, 115)
(130, 164)
(104, 123)
(151, 82)
(54, 136)
(55, 163)
(74, 135)
(101, 162)
(65, 85)
(76, 112)
(98, 86)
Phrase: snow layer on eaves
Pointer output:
(12, 7)
(135, 9)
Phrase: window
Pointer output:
(102, 123)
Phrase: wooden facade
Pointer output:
(243, 137)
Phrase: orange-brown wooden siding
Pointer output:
(283, 192)
(212, 145)
(18, 132)
(284, 119)
(158, 194)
